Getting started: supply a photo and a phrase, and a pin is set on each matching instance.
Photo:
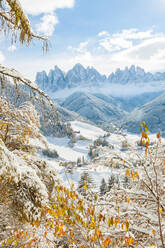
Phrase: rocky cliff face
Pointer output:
(42, 80)
(56, 79)
(79, 76)
(134, 75)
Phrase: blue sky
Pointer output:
(105, 34)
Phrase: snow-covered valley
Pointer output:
(98, 167)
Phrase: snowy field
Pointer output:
(81, 148)
(65, 151)
(87, 130)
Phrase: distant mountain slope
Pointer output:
(92, 108)
(79, 76)
(134, 74)
(153, 113)
(129, 103)
(102, 99)
(55, 124)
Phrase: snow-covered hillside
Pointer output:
(99, 167)
(87, 130)
(81, 148)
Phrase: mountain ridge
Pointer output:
(93, 108)
(80, 76)
(152, 113)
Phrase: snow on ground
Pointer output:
(81, 147)
(38, 142)
(87, 130)
(132, 139)
(97, 170)
(97, 176)
(73, 176)
(66, 152)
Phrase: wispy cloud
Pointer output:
(48, 9)
(123, 40)
(47, 24)
(103, 33)
(149, 54)
(115, 43)
(130, 46)
(37, 7)
(144, 48)
(81, 48)
(134, 34)
(115, 90)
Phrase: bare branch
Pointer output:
(17, 76)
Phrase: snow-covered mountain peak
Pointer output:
(57, 69)
(79, 76)
(78, 67)
(132, 69)
(133, 75)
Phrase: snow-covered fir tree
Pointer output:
(86, 184)
(103, 187)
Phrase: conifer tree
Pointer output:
(126, 181)
(78, 161)
(103, 187)
(111, 182)
(86, 184)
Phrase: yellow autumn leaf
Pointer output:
(71, 234)
(130, 241)
(127, 173)
(107, 242)
(127, 226)
(110, 221)
(118, 221)
(58, 189)
(93, 220)
(85, 186)
(115, 223)
(133, 175)
(15, 242)
(158, 135)
(98, 232)
(95, 197)
(137, 174)
(10, 241)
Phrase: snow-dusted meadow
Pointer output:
(96, 169)
(81, 148)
